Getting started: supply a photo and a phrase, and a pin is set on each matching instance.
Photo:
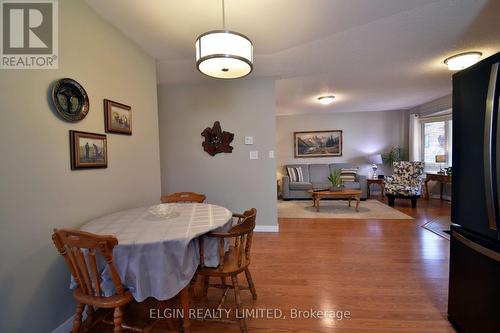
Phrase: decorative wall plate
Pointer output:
(70, 99)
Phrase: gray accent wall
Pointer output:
(39, 192)
(245, 107)
(364, 133)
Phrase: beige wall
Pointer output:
(38, 191)
(364, 133)
(244, 107)
(437, 105)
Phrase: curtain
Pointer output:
(415, 140)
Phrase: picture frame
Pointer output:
(88, 150)
(327, 143)
(117, 117)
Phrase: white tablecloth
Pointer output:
(158, 257)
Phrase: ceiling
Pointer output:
(371, 54)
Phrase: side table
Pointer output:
(378, 181)
(440, 178)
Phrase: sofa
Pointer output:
(316, 176)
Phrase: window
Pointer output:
(436, 140)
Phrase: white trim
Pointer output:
(67, 326)
(438, 116)
(267, 228)
(448, 138)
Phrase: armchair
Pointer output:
(405, 183)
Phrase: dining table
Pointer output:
(158, 256)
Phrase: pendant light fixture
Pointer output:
(224, 54)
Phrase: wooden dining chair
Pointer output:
(79, 249)
(184, 197)
(232, 262)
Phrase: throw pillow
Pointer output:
(295, 174)
(348, 174)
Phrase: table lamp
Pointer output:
(374, 160)
(440, 159)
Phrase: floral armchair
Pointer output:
(406, 182)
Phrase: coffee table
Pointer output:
(344, 194)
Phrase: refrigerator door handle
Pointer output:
(476, 247)
(489, 136)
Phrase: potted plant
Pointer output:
(396, 154)
(337, 182)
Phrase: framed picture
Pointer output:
(88, 150)
(318, 143)
(117, 117)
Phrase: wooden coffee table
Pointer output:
(344, 194)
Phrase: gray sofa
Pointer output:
(316, 176)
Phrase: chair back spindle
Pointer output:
(233, 262)
(79, 249)
(242, 232)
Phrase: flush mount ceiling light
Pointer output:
(224, 54)
(462, 60)
(325, 100)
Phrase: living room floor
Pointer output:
(391, 275)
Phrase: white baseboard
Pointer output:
(267, 228)
(67, 326)
(445, 197)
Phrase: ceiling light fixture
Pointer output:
(224, 54)
(462, 60)
(325, 100)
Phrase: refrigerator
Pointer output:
(474, 284)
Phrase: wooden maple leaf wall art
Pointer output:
(216, 140)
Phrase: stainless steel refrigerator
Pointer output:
(474, 287)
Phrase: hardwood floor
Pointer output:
(391, 275)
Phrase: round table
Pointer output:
(157, 257)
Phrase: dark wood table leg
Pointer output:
(318, 198)
(368, 190)
(382, 190)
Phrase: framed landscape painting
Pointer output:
(117, 117)
(318, 143)
(88, 150)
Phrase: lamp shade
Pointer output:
(375, 159)
(224, 54)
(440, 158)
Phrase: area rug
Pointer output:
(339, 209)
(440, 226)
